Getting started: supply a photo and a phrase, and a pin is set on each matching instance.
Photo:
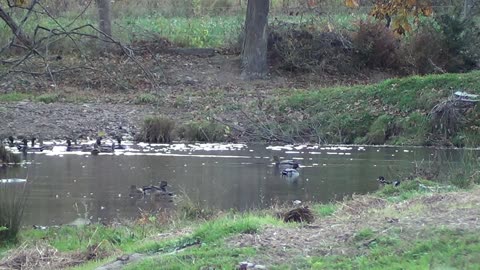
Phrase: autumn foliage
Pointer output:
(398, 13)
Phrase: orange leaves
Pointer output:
(398, 11)
(20, 3)
(351, 3)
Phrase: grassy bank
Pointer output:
(395, 111)
(419, 225)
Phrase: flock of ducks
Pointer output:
(288, 167)
(96, 148)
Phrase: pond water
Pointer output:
(65, 185)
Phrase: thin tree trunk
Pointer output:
(104, 19)
(14, 27)
(254, 53)
(467, 8)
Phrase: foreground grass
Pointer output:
(440, 249)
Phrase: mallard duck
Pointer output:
(11, 141)
(119, 143)
(383, 181)
(292, 164)
(99, 148)
(289, 172)
(24, 146)
(162, 188)
(71, 147)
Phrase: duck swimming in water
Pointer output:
(71, 147)
(292, 164)
(290, 172)
(99, 148)
(383, 181)
(24, 147)
(150, 189)
(11, 141)
(119, 143)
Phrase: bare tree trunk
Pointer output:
(467, 8)
(14, 27)
(254, 53)
(104, 18)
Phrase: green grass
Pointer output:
(70, 238)
(363, 113)
(48, 97)
(324, 210)
(440, 249)
(14, 96)
(214, 230)
(146, 98)
(211, 252)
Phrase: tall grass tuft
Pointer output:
(157, 129)
(13, 199)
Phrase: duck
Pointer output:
(150, 189)
(290, 172)
(119, 143)
(99, 148)
(24, 146)
(71, 147)
(11, 141)
(161, 189)
(383, 181)
(292, 164)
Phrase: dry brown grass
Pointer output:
(335, 234)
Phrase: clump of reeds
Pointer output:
(157, 129)
(13, 197)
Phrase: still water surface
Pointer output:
(66, 185)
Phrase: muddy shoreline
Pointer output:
(65, 120)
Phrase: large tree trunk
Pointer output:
(104, 20)
(254, 53)
(14, 27)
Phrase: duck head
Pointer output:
(10, 139)
(69, 143)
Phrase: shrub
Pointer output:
(12, 203)
(157, 129)
(305, 48)
(376, 46)
(425, 51)
(381, 130)
(462, 42)
(203, 131)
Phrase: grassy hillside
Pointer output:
(395, 111)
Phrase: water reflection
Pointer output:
(65, 186)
